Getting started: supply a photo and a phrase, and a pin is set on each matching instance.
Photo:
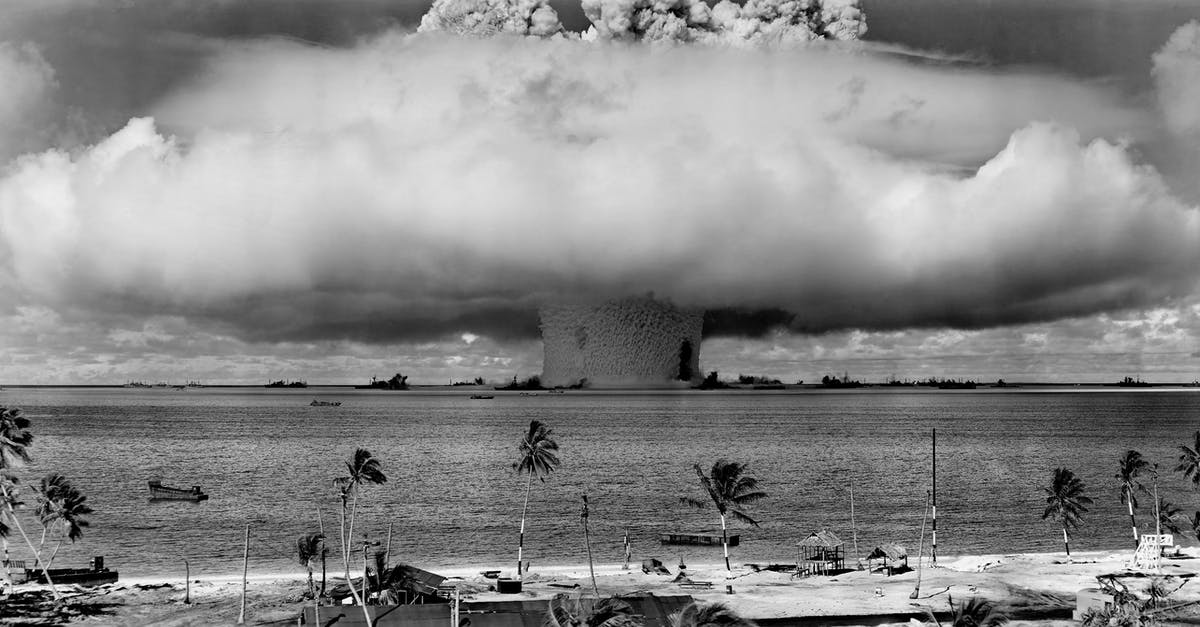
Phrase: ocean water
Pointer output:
(267, 459)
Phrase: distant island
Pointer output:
(286, 384)
(397, 382)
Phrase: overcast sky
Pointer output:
(233, 191)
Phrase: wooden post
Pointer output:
(854, 527)
(245, 572)
(587, 540)
(921, 549)
(187, 583)
(387, 548)
(933, 544)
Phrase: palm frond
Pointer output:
(709, 615)
(738, 514)
(15, 438)
(694, 503)
(537, 451)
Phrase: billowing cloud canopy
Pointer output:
(422, 186)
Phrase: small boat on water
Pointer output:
(482, 397)
(317, 403)
(160, 492)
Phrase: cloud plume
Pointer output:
(420, 186)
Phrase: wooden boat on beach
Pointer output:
(94, 575)
(697, 538)
(160, 492)
(478, 397)
(317, 403)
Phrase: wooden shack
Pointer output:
(821, 553)
(888, 558)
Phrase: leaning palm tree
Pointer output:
(61, 509)
(363, 469)
(15, 439)
(310, 547)
(699, 614)
(538, 458)
(1129, 468)
(729, 488)
(1189, 461)
(563, 611)
(1066, 503)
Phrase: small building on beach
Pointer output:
(822, 553)
(889, 558)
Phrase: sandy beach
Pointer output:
(1032, 588)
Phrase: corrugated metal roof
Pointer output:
(821, 538)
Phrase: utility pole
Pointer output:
(933, 544)
(245, 572)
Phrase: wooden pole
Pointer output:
(853, 526)
(245, 573)
(921, 549)
(933, 544)
(587, 540)
(387, 548)
(187, 583)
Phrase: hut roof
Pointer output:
(889, 551)
(821, 538)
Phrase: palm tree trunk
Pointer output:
(7, 566)
(725, 544)
(17, 524)
(521, 538)
(349, 537)
(53, 553)
(1132, 524)
(1067, 542)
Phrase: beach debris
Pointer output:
(653, 566)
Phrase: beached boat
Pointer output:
(317, 403)
(482, 397)
(94, 575)
(160, 492)
(697, 538)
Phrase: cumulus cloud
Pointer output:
(485, 18)
(422, 186)
(756, 22)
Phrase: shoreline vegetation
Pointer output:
(1028, 588)
(1143, 585)
(712, 381)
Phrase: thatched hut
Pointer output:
(821, 553)
(890, 558)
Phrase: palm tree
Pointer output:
(309, 547)
(1065, 502)
(974, 613)
(563, 611)
(15, 439)
(363, 469)
(729, 488)
(1129, 468)
(61, 509)
(1167, 514)
(538, 458)
(1189, 461)
(699, 614)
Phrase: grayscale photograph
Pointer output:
(599, 313)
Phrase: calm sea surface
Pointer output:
(267, 458)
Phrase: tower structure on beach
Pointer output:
(637, 341)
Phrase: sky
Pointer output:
(237, 191)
